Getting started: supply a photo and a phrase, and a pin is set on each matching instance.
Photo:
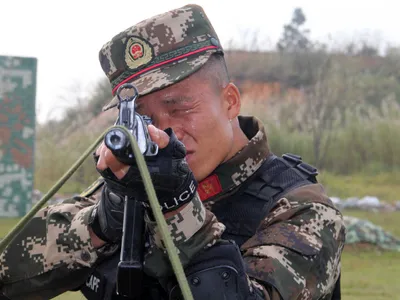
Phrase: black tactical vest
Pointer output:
(241, 212)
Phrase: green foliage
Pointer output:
(100, 97)
(384, 185)
(54, 157)
(6, 224)
(299, 61)
(59, 143)
(294, 38)
(370, 275)
(345, 121)
(367, 147)
(371, 148)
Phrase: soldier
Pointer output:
(247, 224)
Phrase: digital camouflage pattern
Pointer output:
(363, 231)
(296, 251)
(193, 229)
(298, 246)
(234, 172)
(17, 134)
(54, 244)
(159, 51)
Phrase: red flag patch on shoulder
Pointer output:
(209, 187)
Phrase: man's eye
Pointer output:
(139, 111)
(181, 111)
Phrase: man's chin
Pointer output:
(199, 168)
(191, 160)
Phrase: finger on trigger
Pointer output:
(154, 133)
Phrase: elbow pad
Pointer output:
(218, 273)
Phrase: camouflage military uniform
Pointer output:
(297, 248)
(295, 253)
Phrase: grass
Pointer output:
(385, 186)
(368, 273)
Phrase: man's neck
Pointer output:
(240, 140)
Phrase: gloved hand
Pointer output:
(172, 178)
(107, 216)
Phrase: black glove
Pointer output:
(172, 178)
(107, 217)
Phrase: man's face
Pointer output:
(198, 114)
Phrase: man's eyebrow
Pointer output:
(176, 100)
(168, 101)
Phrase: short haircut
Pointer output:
(215, 72)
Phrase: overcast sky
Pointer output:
(66, 36)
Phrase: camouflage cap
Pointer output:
(159, 51)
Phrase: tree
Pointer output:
(294, 38)
(333, 101)
(300, 56)
(100, 96)
(59, 143)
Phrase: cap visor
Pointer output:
(161, 77)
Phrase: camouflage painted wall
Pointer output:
(17, 134)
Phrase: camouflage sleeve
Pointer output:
(193, 229)
(51, 255)
(297, 249)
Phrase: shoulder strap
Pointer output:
(243, 211)
(288, 172)
(279, 175)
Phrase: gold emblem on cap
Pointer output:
(137, 53)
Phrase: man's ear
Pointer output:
(232, 100)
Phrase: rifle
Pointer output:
(130, 266)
